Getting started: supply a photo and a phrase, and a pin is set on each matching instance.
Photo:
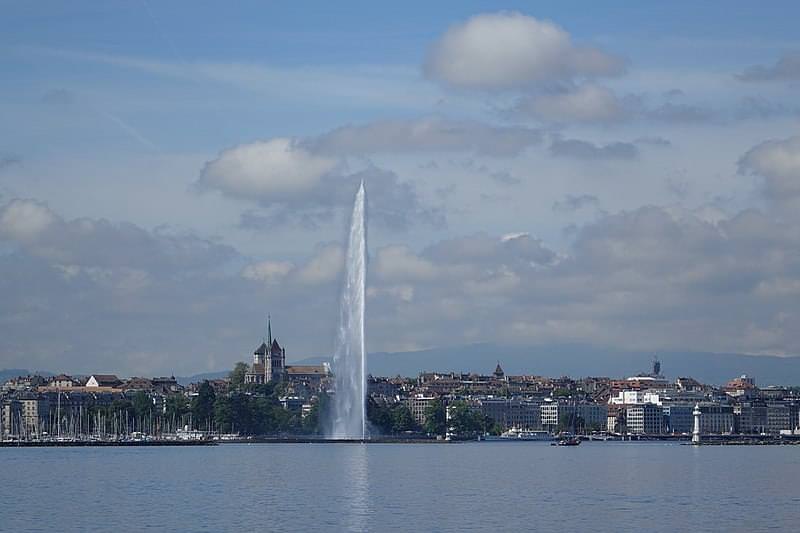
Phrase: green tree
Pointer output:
(260, 389)
(494, 428)
(402, 419)
(120, 405)
(142, 405)
(466, 422)
(379, 415)
(224, 414)
(435, 418)
(177, 406)
(313, 422)
(236, 375)
(203, 405)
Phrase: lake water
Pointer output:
(402, 487)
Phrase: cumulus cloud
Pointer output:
(24, 220)
(427, 134)
(324, 267)
(778, 161)
(103, 291)
(400, 263)
(268, 171)
(578, 149)
(511, 50)
(787, 68)
(267, 271)
(294, 185)
(648, 278)
(585, 103)
(100, 244)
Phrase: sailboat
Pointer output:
(571, 439)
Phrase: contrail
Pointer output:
(130, 130)
(161, 33)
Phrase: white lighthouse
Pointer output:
(696, 432)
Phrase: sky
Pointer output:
(622, 175)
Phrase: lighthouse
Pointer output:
(696, 432)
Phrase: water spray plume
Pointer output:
(350, 358)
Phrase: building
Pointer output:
(418, 404)
(555, 412)
(778, 418)
(716, 418)
(63, 381)
(743, 386)
(24, 416)
(512, 412)
(103, 380)
(269, 361)
(646, 418)
(678, 418)
(750, 418)
(310, 375)
(381, 387)
(615, 420)
(498, 374)
(138, 384)
(166, 385)
(23, 383)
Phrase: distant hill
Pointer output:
(578, 361)
(581, 361)
(185, 380)
(557, 360)
(8, 373)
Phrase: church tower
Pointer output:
(275, 364)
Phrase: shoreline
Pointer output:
(708, 440)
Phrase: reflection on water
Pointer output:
(355, 486)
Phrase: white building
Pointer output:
(646, 418)
(553, 412)
(418, 404)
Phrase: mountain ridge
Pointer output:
(573, 360)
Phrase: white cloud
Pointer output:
(508, 49)
(324, 267)
(267, 271)
(293, 184)
(779, 162)
(645, 279)
(586, 103)
(266, 170)
(25, 219)
(396, 263)
(579, 149)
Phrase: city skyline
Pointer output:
(600, 175)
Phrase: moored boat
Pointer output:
(516, 434)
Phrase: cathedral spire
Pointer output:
(267, 358)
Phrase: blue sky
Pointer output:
(541, 134)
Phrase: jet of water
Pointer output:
(350, 358)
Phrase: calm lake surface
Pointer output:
(402, 487)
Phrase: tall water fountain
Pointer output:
(349, 413)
